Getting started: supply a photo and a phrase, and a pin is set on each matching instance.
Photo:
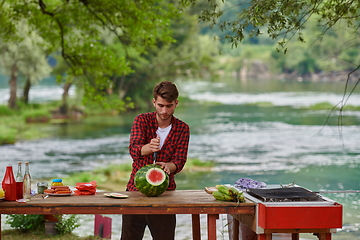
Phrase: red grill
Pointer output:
(291, 194)
(293, 210)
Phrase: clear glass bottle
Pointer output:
(9, 184)
(19, 183)
(27, 182)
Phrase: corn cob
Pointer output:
(224, 189)
(229, 194)
(221, 196)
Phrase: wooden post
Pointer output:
(233, 227)
(265, 236)
(295, 236)
(324, 236)
(196, 226)
(211, 218)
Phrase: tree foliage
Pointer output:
(112, 47)
(286, 20)
(74, 29)
(279, 19)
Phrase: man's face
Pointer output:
(164, 109)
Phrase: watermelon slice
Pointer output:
(116, 195)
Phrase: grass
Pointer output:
(36, 114)
(7, 135)
(13, 122)
(19, 235)
(329, 106)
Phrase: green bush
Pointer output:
(35, 223)
(7, 135)
(351, 108)
(36, 115)
(322, 106)
(68, 224)
(5, 111)
(26, 222)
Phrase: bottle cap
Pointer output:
(57, 180)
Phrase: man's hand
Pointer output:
(168, 167)
(153, 146)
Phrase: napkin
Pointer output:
(85, 188)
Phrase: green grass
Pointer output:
(36, 114)
(329, 106)
(261, 104)
(5, 111)
(7, 135)
(19, 235)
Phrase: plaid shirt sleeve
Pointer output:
(174, 150)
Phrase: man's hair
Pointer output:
(167, 90)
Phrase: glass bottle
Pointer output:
(27, 182)
(9, 184)
(19, 182)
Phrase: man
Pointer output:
(157, 133)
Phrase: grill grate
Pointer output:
(290, 194)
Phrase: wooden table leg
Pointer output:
(324, 236)
(196, 226)
(265, 236)
(211, 222)
(295, 236)
(0, 226)
(233, 227)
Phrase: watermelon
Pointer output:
(151, 180)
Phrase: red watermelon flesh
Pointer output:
(155, 176)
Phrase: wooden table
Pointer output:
(194, 202)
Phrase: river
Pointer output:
(262, 130)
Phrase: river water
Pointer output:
(263, 130)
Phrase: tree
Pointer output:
(25, 55)
(190, 55)
(74, 30)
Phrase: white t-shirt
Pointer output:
(162, 133)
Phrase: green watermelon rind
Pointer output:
(145, 187)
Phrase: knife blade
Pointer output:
(154, 156)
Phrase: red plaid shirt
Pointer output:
(174, 150)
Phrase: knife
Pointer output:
(154, 156)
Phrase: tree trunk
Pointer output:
(26, 91)
(12, 84)
(64, 106)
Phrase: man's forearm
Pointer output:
(146, 150)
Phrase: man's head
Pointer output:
(165, 100)
(167, 90)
